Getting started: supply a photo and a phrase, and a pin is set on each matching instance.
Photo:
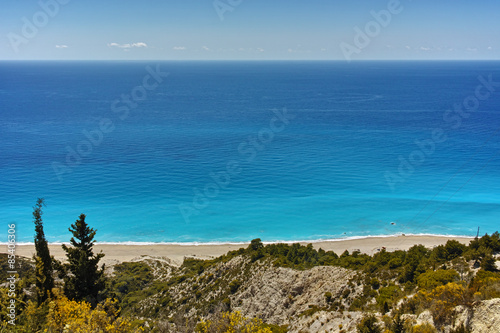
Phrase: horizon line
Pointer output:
(249, 60)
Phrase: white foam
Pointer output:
(264, 242)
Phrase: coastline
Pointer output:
(121, 252)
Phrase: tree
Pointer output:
(84, 280)
(255, 244)
(488, 263)
(43, 273)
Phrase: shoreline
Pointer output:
(120, 252)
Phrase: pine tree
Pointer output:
(84, 280)
(488, 263)
(44, 271)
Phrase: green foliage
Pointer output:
(388, 295)
(328, 297)
(44, 271)
(488, 263)
(255, 244)
(424, 328)
(432, 279)
(24, 266)
(193, 267)
(83, 279)
(397, 324)
(310, 311)
(275, 328)
(489, 242)
(486, 285)
(369, 324)
(129, 278)
(234, 285)
(451, 250)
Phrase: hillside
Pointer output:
(293, 288)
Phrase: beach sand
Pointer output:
(116, 253)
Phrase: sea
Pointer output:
(195, 152)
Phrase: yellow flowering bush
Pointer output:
(78, 317)
(443, 299)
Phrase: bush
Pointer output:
(369, 324)
(234, 285)
(424, 328)
(442, 301)
(72, 316)
(488, 263)
(388, 295)
(486, 284)
(433, 279)
(328, 297)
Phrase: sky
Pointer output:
(249, 30)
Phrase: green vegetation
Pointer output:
(44, 271)
(83, 280)
(369, 324)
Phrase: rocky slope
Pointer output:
(282, 296)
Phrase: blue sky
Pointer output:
(249, 29)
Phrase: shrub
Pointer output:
(369, 324)
(424, 328)
(442, 301)
(328, 297)
(72, 316)
(432, 279)
(234, 285)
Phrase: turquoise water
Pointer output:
(231, 151)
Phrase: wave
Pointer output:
(320, 240)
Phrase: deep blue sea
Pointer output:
(231, 151)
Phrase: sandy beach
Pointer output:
(116, 253)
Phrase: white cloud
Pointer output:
(407, 47)
(62, 46)
(128, 45)
(425, 48)
(205, 48)
(260, 49)
(471, 49)
(179, 48)
(490, 48)
(139, 44)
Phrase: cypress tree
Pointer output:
(44, 270)
(84, 280)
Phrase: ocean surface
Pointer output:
(231, 151)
